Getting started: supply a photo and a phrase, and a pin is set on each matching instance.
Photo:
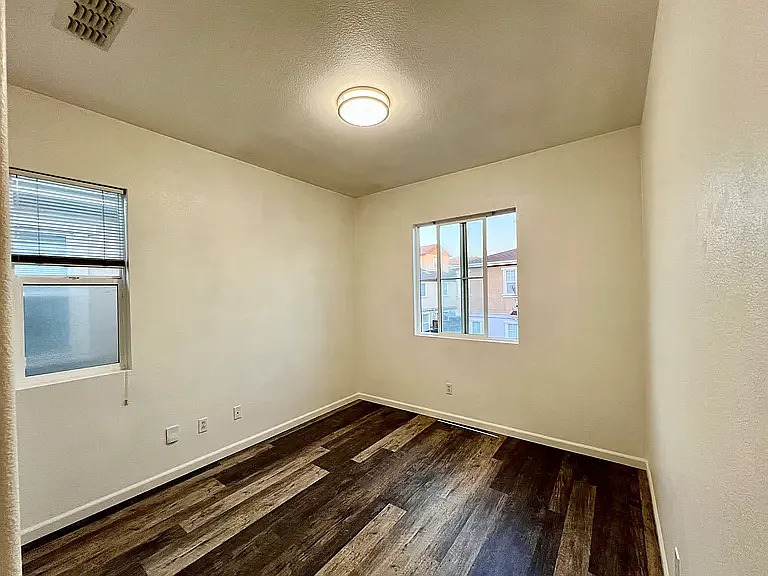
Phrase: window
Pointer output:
(511, 330)
(471, 263)
(68, 250)
(510, 281)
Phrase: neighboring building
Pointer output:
(502, 294)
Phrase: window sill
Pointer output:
(29, 382)
(466, 338)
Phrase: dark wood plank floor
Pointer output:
(371, 490)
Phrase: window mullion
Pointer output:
(464, 264)
(485, 278)
(439, 251)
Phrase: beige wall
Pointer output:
(705, 176)
(579, 242)
(240, 292)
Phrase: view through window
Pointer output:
(467, 277)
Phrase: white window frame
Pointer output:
(505, 281)
(23, 381)
(438, 280)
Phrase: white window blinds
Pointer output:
(53, 222)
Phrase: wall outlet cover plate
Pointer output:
(172, 434)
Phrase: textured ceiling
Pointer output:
(471, 81)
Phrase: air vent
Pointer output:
(94, 21)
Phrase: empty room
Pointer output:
(359, 288)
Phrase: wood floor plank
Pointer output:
(357, 424)
(129, 562)
(617, 544)
(649, 527)
(305, 434)
(516, 537)
(398, 438)
(153, 502)
(172, 559)
(548, 546)
(562, 492)
(328, 530)
(258, 485)
(463, 553)
(351, 557)
(117, 537)
(573, 557)
(422, 528)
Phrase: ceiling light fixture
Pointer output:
(363, 106)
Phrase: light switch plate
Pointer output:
(202, 425)
(172, 434)
(237, 412)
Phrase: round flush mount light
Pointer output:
(363, 106)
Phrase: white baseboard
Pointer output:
(603, 454)
(656, 519)
(95, 506)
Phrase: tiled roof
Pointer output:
(506, 256)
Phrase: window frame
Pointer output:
(123, 304)
(466, 335)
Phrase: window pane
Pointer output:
(502, 239)
(428, 307)
(450, 244)
(428, 252)
(452, 318)
(476, 306)
(35, 270)
(502, 297)
(69, 327)
(475, 248)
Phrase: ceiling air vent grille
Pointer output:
(94, 21)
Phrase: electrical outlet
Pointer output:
(449, 388)
(172, 434)
(237, 412)
(202, 425)
(678, 563)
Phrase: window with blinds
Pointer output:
(53, 222)
(68, 247)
